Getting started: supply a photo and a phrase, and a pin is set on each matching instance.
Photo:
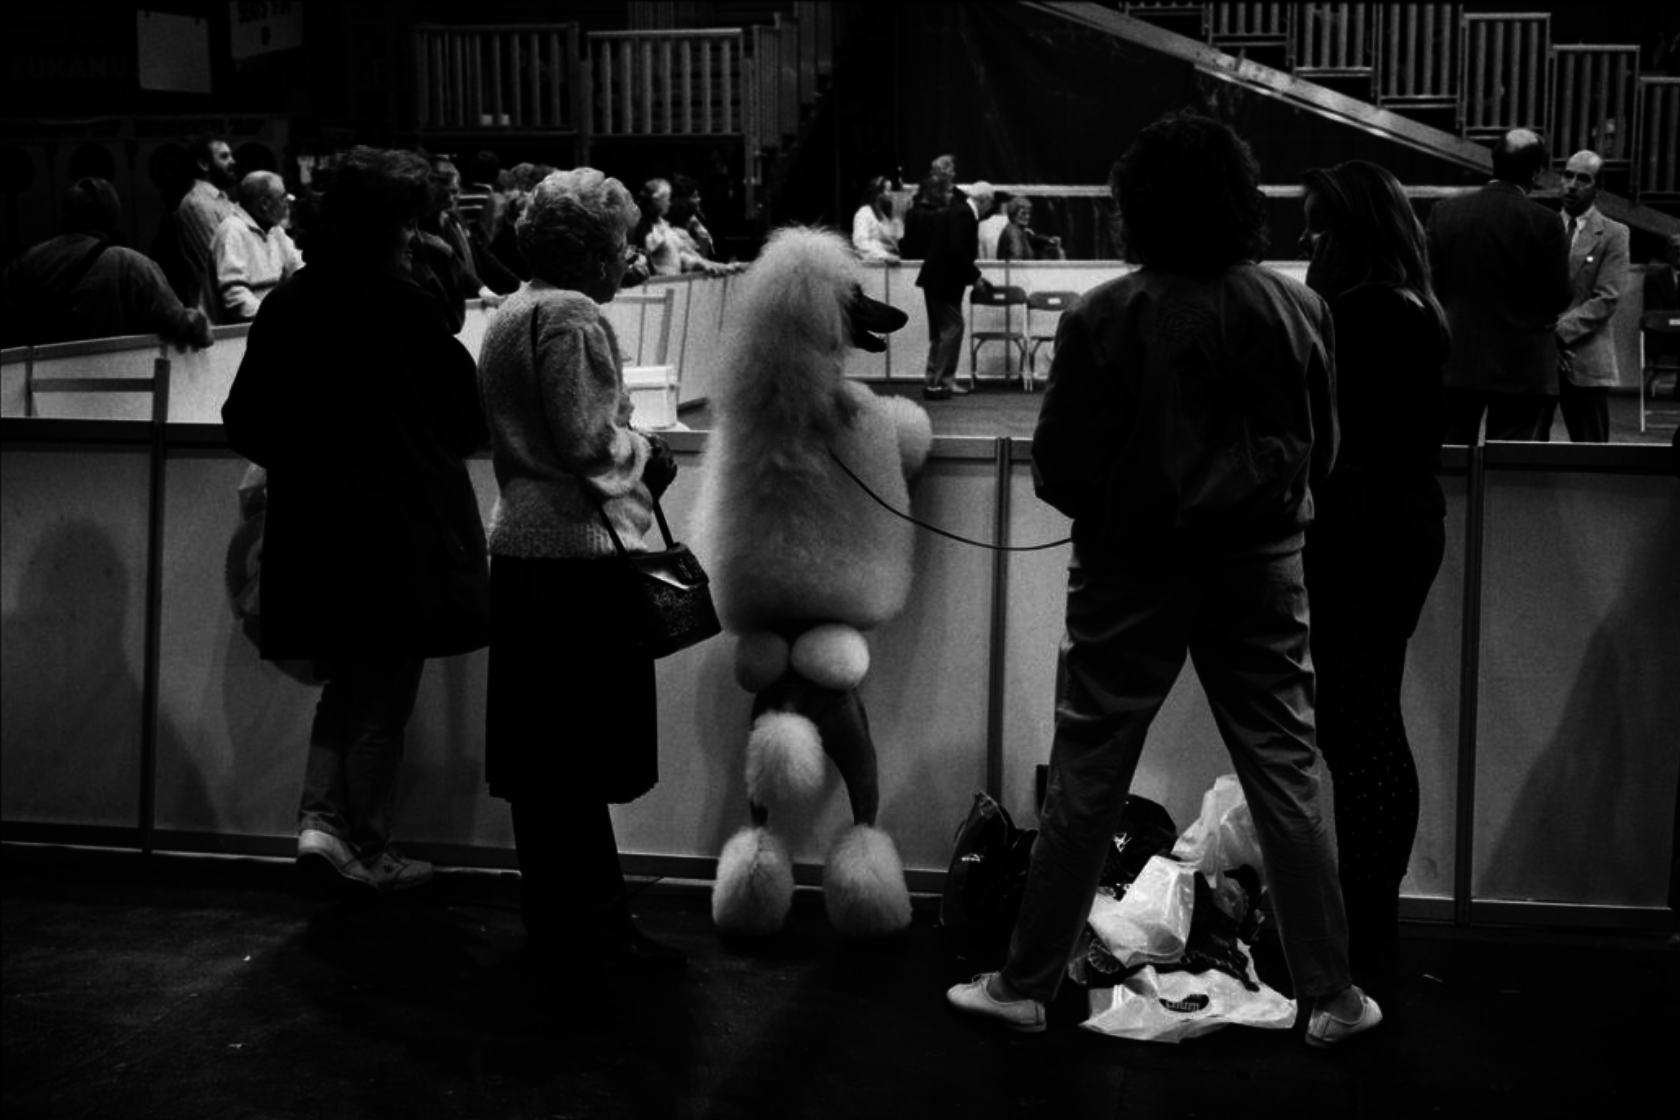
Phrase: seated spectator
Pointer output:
(81, 285)
(251, 249)
(1662, 293)
(669, 250)
(992, 227)
(875, 230)
(513, 186)
(484, 277)
(1019, 242)
(687, 216)
(434, 265)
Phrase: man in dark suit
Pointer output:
(949, 235)
(1501, 265)
(1598, 275)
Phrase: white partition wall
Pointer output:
(72, 631)
(1579, 715)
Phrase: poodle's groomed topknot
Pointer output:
(782, 365)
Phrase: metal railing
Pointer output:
(1658, 173)
(1593, 92)
(1507, 71)
(1249, 23)
(666, 83)
(1334, 39)
(1418, 59)
(521, 78)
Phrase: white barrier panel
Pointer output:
(72, 600)
(113, 359)
(199, 380)
(1579, 716)
(1575, 778)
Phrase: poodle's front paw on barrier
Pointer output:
(863, 885)
(754, 887)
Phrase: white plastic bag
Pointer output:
(1150, 923)
(1172, 1006)
(1223, 837)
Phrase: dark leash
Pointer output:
(882, 502)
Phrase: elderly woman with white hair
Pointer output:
(571, 722)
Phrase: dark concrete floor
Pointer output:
(190, 987)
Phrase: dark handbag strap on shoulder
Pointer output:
(600, 506)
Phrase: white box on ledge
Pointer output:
(653, 393)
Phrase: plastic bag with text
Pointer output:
(1150, 923)
(1172, 1006)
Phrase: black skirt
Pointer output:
(571, 701)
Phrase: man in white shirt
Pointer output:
(252, 250)
(1598, 275)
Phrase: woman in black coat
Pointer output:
(358, 400)
(1377, 536)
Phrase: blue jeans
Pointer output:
(1242, 617)
(356, 748)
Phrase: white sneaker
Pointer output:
(1026, 1015)
(1324, 1029)
(315, 845)
(389, 870)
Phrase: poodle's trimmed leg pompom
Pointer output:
(784, 758)
(863, 885)
(754, 887)
(833, 656)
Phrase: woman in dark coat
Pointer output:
(1378, 535)
(356, 397)
(571, 708)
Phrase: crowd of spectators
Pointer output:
(232, 239)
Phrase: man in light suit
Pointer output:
(1598, 275)
(1502, 272)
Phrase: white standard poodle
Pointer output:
(803, 561)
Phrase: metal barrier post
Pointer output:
(1468, 684)
(1000, 614)
(149, 688)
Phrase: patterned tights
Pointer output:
(1362, 737)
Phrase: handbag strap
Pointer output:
(600, 507)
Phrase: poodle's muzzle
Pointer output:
(871, 318)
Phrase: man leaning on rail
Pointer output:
(81, 284)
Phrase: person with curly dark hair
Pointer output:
(363, 407)
(1378, 532)
(1190, 409)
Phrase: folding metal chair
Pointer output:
(1661, 328)
(1008, 297)
(1040, 331)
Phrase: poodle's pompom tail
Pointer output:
(863, 885)
(761, 657)
(915, 433)
(754, 887)
(784, 757)
(832, 655)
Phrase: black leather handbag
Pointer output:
(673, 593)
